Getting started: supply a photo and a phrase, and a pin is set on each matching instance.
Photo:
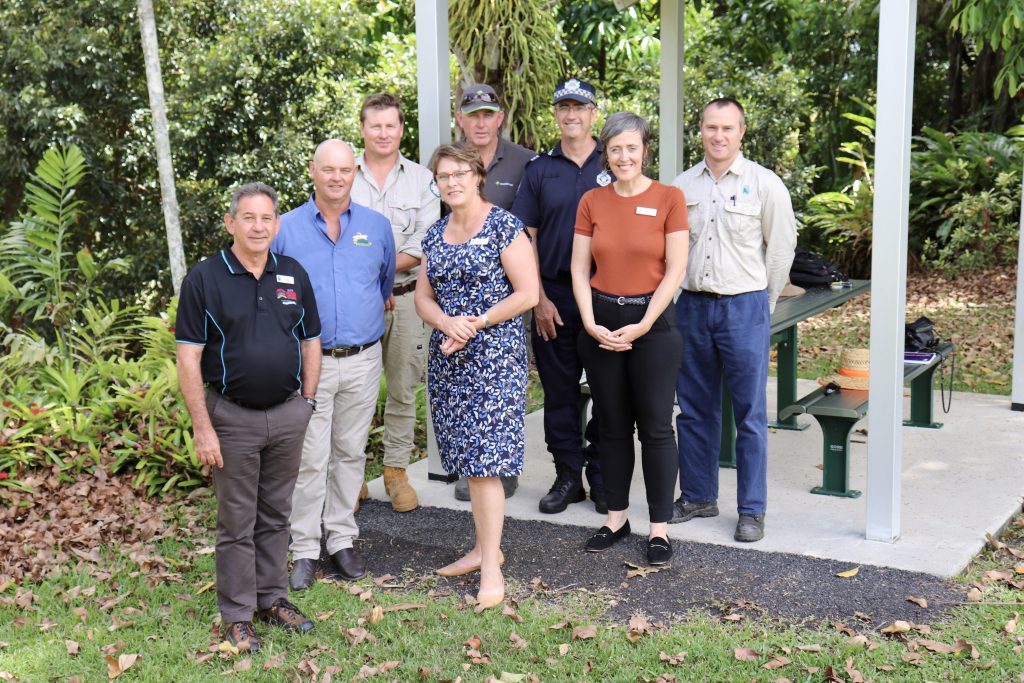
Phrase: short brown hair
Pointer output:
(463, 153)
(380, 100)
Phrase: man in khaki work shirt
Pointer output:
(742, 237)
(400, 189)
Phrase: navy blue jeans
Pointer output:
(728, 337)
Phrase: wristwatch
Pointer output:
(310, 401)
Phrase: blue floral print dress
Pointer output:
(477, 394)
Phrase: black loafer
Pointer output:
(605, 538)
(349, 563)
(303, 574)
(659, 551)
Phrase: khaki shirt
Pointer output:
(742, 230)
(407, 200)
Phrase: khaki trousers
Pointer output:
(403, 368)
(334, 454)
(261, 451)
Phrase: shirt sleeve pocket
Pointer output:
(745, 219)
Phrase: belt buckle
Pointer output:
(621, 301)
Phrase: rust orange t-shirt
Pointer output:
(628, 233)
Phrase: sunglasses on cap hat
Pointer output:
(479, 96)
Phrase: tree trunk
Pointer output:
(168, 196)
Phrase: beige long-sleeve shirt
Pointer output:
(406, 200)
(742, 229)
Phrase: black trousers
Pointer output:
(636, 387)
(560, 368)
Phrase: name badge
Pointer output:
(286, 279)
(646, 211)
(479, 241)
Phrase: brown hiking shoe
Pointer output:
(286, 615)
(242, 635)
(396, 483)
(364, 493)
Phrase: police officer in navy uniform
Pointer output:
(248, 350)
(548, 196)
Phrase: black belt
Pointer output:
(399, 290)
(642, 300)
(346, 351)
(242, 404)
(710, 295)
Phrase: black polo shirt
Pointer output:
(548, 197)
(251, 329)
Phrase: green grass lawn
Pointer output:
(156, 602)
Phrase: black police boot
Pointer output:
(568, 488)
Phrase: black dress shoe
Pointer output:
(303, 574)
(568, 488)
(597, 494)
(605, 538)
(349, 563)
(659, 551)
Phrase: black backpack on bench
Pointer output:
(811, 270)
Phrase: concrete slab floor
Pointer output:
(959, 482)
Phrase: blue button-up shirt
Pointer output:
(548, 196)
(351, 278)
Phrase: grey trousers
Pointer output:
(261, 451)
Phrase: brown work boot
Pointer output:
(364, 493)
(396, 483)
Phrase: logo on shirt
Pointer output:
(287, 296)
(361, 240)
(603, 178)
(746, 189)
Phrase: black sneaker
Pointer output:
(568, 488)
(605, 538)
(659, 551)
(286, 615)
(749, 528)
(242, 635)
(597, 494)
(684, 511)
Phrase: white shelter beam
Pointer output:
(433, 79)
(889, 266)
(1017, 390)
(670, 138)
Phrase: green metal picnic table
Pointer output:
(788, 312)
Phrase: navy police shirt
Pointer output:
(251, 330)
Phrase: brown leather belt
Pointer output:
(346, 351)
(399, 290)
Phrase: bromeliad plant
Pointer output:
(87, 381)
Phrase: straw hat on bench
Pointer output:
(853, 370)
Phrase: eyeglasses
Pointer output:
(445, 178)
(572, 108)
(479, 96)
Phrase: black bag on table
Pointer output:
(811, 270)
(920, 336)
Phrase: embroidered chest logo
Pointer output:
(287, 296)
(361, 240)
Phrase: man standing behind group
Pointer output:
(349, 254)
(400, 189)
(480, 118)
(742, 237)
(247, 331)
(548, 197)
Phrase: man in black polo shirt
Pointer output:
(247, 330)
(548, 197)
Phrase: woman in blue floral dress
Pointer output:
(480, 276)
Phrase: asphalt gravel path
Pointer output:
(713, 578)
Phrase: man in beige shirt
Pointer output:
(742, 237)
(402, 190)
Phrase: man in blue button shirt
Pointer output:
(548, 196)
(349, 252)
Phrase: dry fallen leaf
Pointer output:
(936, 646)
(518, 641)
(72, 647)
(672, 660)
(584, 632)
(855, 676)
(563, 649)
(897, 627)
(116, 667)
(974, 595)
(403, 606)
(511, 613)
(964, 646)
(376, 615)
(920, 602)
(744, 654)
(849, 573)
(809, 648)
(1011, 625)
(205, 587)
(733, 617)
(776, 662)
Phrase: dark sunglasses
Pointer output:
(480, 97)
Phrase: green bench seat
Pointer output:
(838, 412)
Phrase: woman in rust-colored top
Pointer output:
(628, 259)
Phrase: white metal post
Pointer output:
(432, 75)
(889, 266)
(435, 118)
(670, 140)
(1017, 391)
